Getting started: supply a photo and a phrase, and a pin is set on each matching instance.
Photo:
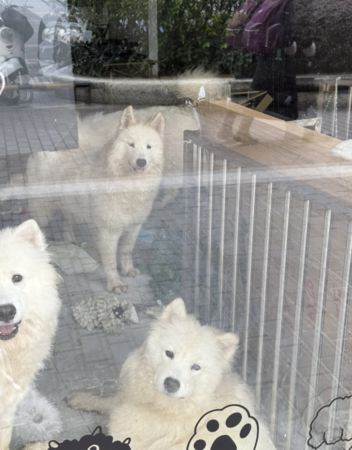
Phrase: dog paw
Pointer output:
(36, 446)
(117, 287)
(75, 399)
(230, 428)
(131, 273)
(81, 400)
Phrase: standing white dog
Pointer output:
(122, 178)
(29, 307)
(181, 372)
(99, 128)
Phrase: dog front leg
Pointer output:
(125, 249)
(6, 424)
(107, 245)
(67, 230)
(41, 445)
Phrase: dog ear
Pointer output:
(176, 308)
(127, 118)
(30, 231)
(228, 344)
(158, 123)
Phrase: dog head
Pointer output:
(138, 146)
(25, 273)
(187, 359)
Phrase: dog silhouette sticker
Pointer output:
(330, 428)
(95, 441)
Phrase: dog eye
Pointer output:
(149, 147)
(169, 354)
(131, 144)
(195, 367)
(17, 278)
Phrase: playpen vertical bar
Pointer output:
(348, 428)
(319, 316)
(187, 265)
(263, 291)
(249, 275)
(349, 106)
(197, 226)
(297, 322)
(222, 243)
(209, 239)
(334, 112)
(235, 247)
(341, 328)
(279, 313)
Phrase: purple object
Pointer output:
(235, 28)
(269, 27)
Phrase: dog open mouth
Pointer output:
(8, 331)
(137, 169)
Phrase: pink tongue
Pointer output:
(139, 170)
(6, 329)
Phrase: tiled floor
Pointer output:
(82, 359)
(37, 127)
(92, 360)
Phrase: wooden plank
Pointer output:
(277, 144)
(220, 108)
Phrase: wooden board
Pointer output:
(300, 153)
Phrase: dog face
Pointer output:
(139, 145)
(187, 359)
(24, 275)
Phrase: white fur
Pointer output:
(35, 297)
(190, 82)
(144, 409)
(115, 215)
(98, 129)
(36, 420)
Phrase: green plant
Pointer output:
(191, 33)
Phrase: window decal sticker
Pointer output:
(330, 425)
(229, 428)
(95, 441)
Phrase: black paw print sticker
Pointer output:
(230, 428)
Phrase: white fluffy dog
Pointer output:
(119, 180)
(29, 308)
(182, 371)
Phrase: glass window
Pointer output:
(175, 224)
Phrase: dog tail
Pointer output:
(86, 401)
(195, 83)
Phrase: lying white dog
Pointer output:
(181, 372)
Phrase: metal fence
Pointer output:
(270, 258)
(334, 105)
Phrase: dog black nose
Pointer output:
(171, 385)
(7, 313)
(141, 162)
